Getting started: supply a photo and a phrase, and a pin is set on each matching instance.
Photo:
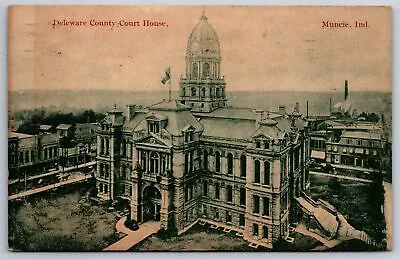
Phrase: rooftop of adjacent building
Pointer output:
(18, 135)
(361, 135)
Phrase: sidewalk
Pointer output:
(48, 187)
(339, 176)
(132, 237)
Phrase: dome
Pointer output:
(203, 41)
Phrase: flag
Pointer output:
(167, 76)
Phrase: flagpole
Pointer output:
(169, 89)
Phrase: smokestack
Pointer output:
(346, 89)
(307, 109)
(330, 106)
(297, 107)
(131, 109)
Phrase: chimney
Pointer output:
(346, 89)
(297, 107)
(330, 106)
(307, 109)
(282, 109)
(131, 109)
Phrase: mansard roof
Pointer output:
(271, 132)
(237, 113)
(228, 127)
(169, 105)
(178, 117)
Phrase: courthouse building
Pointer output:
(196, 158)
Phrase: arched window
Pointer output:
(203, 92)
(107, 146)
(154, 159)
(217, 162)
(187, 162)
(123, 148)
(257, 171)
(206, 70)
(193, 91)
(243, 166)
(230, 164)
(205, 160)
(267, 173)
(195, 70)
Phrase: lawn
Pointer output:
(201, 238)
(67, 221)
(301, 243)
(198, 238)
(358, 202)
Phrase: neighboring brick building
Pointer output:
(356, 151)
(31, 154)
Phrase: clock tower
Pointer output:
(203, 87)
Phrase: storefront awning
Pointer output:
(318, 155)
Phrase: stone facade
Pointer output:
(177, 162)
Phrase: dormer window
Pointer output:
(188, 133)
(155, 123)
(105, 127)
(154, 127)
(189, 136)
(258, 144)
(266, 145)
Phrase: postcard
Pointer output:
(199, 128)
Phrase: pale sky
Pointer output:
(262, 48)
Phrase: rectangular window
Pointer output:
(229, 193)
(217, 191)
(228, 217)
(265, 206)
(205, 188)
(242, 196)
(256, 204)
(186, 194)
(242, 220)
(255, 229)
(265, 232)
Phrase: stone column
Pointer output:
(262, 172)
(135, 201)
(164, 209)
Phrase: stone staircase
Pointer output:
(324, 214)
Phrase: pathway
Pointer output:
(132, 237)
(66, 169)
(301, 228)
(388, 210)
(49, 187)
(339, 176)
(345, 232)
